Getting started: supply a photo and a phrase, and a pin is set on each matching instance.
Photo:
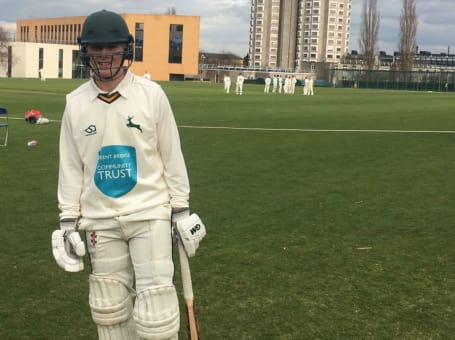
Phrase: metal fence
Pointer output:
(423, 80)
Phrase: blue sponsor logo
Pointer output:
(116, 171)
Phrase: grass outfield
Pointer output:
(328, 217)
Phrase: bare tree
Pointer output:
(171, 11)
(4, 39)
(368, 40)
(408, 32)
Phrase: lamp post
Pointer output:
(201, 65)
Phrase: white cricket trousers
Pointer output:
(136, 254)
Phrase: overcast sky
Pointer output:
(225, 23)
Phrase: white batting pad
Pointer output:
(156, 313)
(112, 306)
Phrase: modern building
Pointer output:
(298, 35)
(27, 60)
(166, 46)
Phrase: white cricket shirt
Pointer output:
(120, 155)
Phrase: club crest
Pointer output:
(131, 124)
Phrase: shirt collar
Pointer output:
(123, 87)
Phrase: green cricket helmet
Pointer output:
(105, 27)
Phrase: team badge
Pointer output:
(131, 124)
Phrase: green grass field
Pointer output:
(318, 226)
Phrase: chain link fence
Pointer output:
(434, 80)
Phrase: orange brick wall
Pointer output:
(156, 39)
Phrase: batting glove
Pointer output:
(67, 247)
(190, 230)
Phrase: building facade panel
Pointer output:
(167, 46)
(300, 33)
(28, 58)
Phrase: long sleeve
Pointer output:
(175, 171)
(71, 174)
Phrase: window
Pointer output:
(40, 58)
(139, 45)
(175, 43)
(79, 71)
(60, 63)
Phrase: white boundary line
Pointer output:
(315, 130)
(298, 130)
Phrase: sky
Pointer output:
(225, 23)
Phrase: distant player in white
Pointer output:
(293, 83)
(267, 85)
(42, 74)
(239, 84)
(280, 84)
(274, 84)
(287, 85)
(227, 84)
(310, 86)
(306, 85)
(122, 179)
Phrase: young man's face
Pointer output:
(106, 59)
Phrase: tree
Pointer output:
(246, 60)
(408, 32)
(171, 11)
(4, 39)
(368, 40)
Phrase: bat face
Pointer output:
(193, 324)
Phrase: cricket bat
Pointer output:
(193, 325)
